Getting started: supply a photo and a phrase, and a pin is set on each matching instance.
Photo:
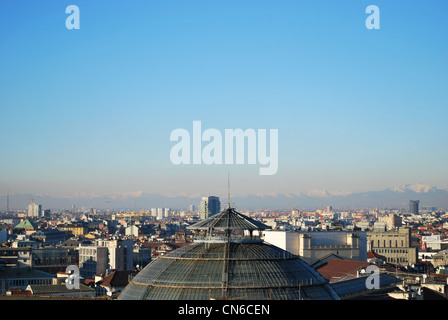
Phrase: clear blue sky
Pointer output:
(91, 110)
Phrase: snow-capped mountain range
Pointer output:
(395, 197)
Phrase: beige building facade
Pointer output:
(394, 245)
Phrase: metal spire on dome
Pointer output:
(228, 225)
(228, 189)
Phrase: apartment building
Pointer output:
(105, 255)
(394, 245)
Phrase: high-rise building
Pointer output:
(93, 260)
(104, 255)
(154, 212)
(34, 210)
(159, 213)
(167, 213)
(46, 213)
(209, 206)
(413, 206)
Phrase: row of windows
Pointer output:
(45, 261)
(88, 252)
(397, 259)
(391, 251)
(26, 282)
(47, 255)
(389, 243)
(87, 267)
(13, 253)
(87, 258)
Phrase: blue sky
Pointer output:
(91, 110)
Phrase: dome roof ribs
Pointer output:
(229, 219)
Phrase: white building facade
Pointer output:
(313, 246)
(105, 255)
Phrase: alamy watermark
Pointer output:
(73, 20)
(72, 282)
(373, 280)
(232, 149)
(373, 20)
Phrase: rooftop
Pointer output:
(356, 287)
(57, 288)
(337, 269)
(117, 279)
(26, 224)
(26, 273)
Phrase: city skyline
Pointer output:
(90, 111)
(397, 198)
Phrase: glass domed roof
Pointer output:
(225, 264)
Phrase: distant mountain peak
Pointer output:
(415, 187)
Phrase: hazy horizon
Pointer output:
(397, 197)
